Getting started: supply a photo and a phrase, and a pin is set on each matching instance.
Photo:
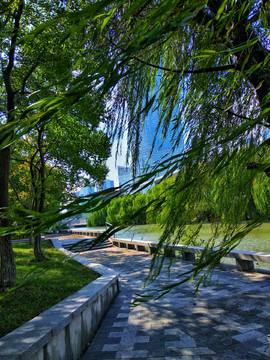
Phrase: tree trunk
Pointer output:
(31, 238)
(37, 248)
(41, 200)
(7, 269)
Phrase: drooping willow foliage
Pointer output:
(204, 66)
(206, 72)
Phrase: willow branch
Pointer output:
(196, 71)
(242, 116)
(232, 113)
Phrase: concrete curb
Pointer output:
(63, 331)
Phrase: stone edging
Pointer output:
(63, 331)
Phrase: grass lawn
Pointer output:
(63, 278)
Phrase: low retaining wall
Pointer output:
(92, 233)
(63, 331)
(244, 259)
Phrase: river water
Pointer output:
(257, 240)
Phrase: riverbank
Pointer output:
(256, 240)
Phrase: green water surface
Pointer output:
(257, 240)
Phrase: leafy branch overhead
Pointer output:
(203, 65)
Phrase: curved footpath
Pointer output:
(227, 319)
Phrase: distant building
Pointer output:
(162, 148)
(124, 174)
(107, 184)
(87, 190)
(84, 191)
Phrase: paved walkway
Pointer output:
(228, 319)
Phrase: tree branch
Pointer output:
(241, 116)
(20, 160)
(11, 55)
(25, 139)
(232, 113)
(16, 193)
(196, 71)
(255, 165)
(41, 170)
(27, 76)
(50, 170)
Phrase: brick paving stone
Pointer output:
(174, 331)
(120, 324)
(197, 351)
(265, 350)
(164, 338)
(238, 352)
(141, 339)
(162, 352)
(149, 346)
(171, 337)
(184, 358)
(185, 337)
(248, 327)
(128, 338)
(250, 335)
(180, 344)
(254, 343)
(133, 354)
(117, 347)
(123, 315)
(116, 334)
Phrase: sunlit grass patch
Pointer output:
(61, 279)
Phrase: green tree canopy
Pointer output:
(42, 68)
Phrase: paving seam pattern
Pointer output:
(227, 319)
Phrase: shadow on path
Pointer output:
(228, 321)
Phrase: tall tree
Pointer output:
(12, 19)
(24, 184)
(44, 65)
(73, 152)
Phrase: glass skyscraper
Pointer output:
(91, 190)
(162, 148)
(124, 174)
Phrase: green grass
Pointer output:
(37, 294)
